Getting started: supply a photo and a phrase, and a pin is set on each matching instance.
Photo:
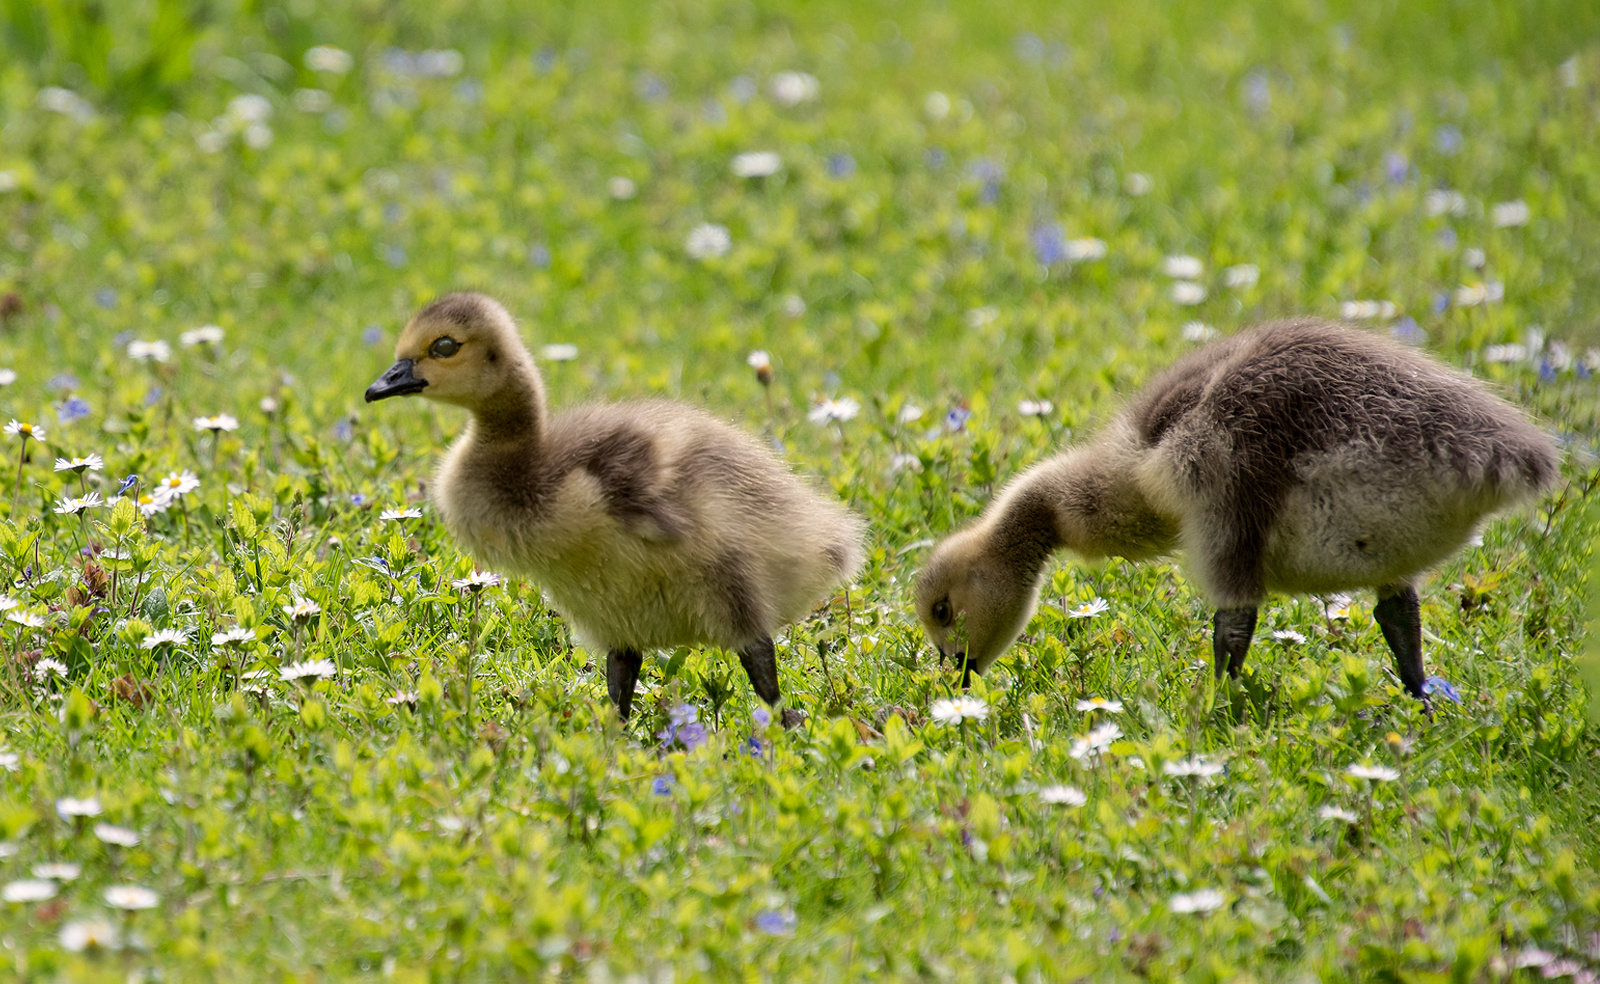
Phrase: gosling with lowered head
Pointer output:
(648, 524)
(1300, 457)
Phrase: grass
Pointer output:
(909, 252)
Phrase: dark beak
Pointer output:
(960, 658)
(396, 381)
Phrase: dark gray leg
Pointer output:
(1231, 631)
(1399, 615)
(622, 673)
(760, 662)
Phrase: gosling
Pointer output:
(1300, 457)
(648, 524)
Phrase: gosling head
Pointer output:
(973, 600)
(461, 349)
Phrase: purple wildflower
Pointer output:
(775, 922)
(956, 420)
(127, 484)
(663, 785)
(1396, 166)
(539, 256)
(1447, 139)
(153, 396)
(1049, 244)
(1439, 685)
(371, 335)
(841, 165)
(72, 408)
(762, 717)
(106, 298)
(62, 381)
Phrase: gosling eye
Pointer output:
(444, 348)
(941, 612)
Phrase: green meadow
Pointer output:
(259, 724)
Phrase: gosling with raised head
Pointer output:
(1300, 457)
(648, 524)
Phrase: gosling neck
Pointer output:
(1024, 531)
(514, 414)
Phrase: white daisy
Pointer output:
(19, 429)
(156, 351)
(327, 58)
(958, 709)
(112, 834)
(756, 164)
(708, 240)
(1506, 215)
(1035, 408)
(1205, 900)
(1096, 741)
(1100, 704)
(204, 335)
(1062, 796)
(7, 603)
(621, 188)
(52, 667)
(28, 890)
(758, 360)
(221, 422)
(73, 506)
(29, 620)
(833, 410)
(131, 897)
(1241, 276)
(88, 934)
(476, 581)
(394, 515)
(92, 462)
(302, 608)
(233, 637)
(559, 352)
(319, 669)
(1187, 292)
(70, 806)
(164, 637)
(1090, 608)
(57, 870)
(1331, 812)
(793, 88)
(1084, 249)
(1181, 267)
(7, 377)
(1198, 331)
(1193, 766)
(1288, 635)
(1376, 773)
(177, 483)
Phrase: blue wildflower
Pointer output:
(1049, 244)
(544, 60)
(1581, 369)
(1547, 371)
(395, 256)
(762, 716)
(343, 430)
(1395, 166)
(106, 297)
(153, 396)
(127, 484)
(754, 746)
(62, 381)
(775, 922)
(683, 728)
(1407, 330)
(393, 212)
(841, 165)
(539, 256)
(371, 335)
(663, 785)
(72, 408)
(1447, 139)
(990, 174)
(1441, 302)
(956, 420)
(1439, 685)
(469, 91)
(1447, 238)
(936, 158)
